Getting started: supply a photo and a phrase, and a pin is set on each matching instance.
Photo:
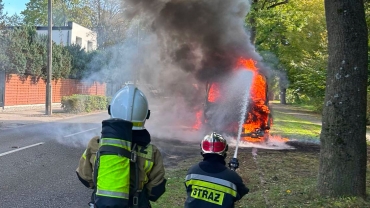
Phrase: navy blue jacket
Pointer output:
(210, 184)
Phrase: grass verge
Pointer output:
(292, 127)
(276, 178)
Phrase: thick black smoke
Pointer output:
(182, 46)
(202, 37)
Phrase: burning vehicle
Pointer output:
(256, 117)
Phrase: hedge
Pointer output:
(84, 103)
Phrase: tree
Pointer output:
(295, 32)
(61, 62)
(108, 22)
(16, 50)
(25, 54)
(36, 12)
(259, 6)
(72, 10)
(367, 13)
(79, 61)
(2, 15)
(102, 16)
(343, 155)
(3, 57)
(14, 20)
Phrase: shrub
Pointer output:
(84, 103)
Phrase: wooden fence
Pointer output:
(28, 91)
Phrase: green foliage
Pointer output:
(4, 59)
(73, 104)
(71, 10)
(107, 21)
(104, 17)
(296, 33)
(61, 62)
(2, 15)
(25, 53)
(14, 20)
(84, 103)
(85, 64)
(3, 41)
(36, 12)
(80, 59)
(36, 57)
(16, 50)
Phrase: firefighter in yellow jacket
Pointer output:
(121, 165)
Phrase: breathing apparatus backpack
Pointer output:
(112, 164)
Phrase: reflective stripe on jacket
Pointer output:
(210, 184)
(207, 190)
(150, 164)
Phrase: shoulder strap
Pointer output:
(135, 199)
(112, 150)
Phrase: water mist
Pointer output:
(241, 82)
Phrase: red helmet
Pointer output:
(214, 144)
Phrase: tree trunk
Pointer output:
(252, 22)
(343, 156)
(282, 96)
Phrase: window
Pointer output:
(89, 46)
(79, 41)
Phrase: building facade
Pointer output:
(73, 33)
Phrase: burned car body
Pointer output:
(222, 109)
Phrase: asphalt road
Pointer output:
(38, 163)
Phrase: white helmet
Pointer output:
(214, 143)
(130, 104)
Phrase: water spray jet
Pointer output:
(234, 164)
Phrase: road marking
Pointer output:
(80, 132)
(22, 148)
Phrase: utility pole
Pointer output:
(48, 110)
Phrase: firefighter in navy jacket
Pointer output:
(210, 184)
(117, 180)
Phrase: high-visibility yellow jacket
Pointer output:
(150, 166)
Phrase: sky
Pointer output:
(14, 6)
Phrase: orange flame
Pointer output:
(259, 113)
(214, 93)
(248, 64)
(258, 116)
(198, 120)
